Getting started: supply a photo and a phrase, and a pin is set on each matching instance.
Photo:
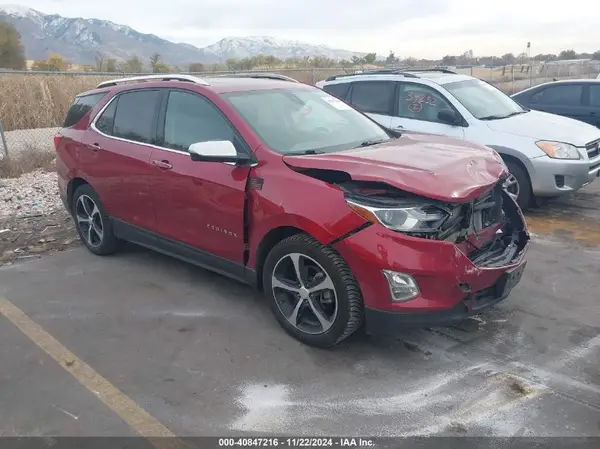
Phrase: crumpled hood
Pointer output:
(544, 126)
(436, 167)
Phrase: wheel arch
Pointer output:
(516, 157)
(73, 185)
(269, 240)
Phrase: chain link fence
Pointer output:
(34, 104)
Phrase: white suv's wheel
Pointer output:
(518, 185)
(312, 291)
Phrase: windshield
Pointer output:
(483, 100)
(301, 121)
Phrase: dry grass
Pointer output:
(28, 160)
(39, 101)
(42, 101)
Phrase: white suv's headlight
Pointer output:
(558, 150)
(410, 218)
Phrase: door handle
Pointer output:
(399, 128)
(94, 146)
(163, 164)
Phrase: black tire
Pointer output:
(109, 244)
(350, 309)
(525, 198)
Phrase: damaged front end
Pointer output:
(490, 230)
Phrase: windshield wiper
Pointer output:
(499, 117)
(515, 113)
(299, 153)
(368, 143)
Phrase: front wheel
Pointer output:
(312, 292)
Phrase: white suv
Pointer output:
(546, 154)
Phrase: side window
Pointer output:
(419, 102)
(373, 96)
(565, 95)
(135, 116)
(80, 107)
(191, 118)
(106, 121)
(595, 95)
(339, 90)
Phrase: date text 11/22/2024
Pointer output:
(295, 442)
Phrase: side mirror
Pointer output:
(448, 116)
(214, 151)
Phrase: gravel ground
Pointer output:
(32, 217)
(32, 194)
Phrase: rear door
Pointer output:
(416, 110)
(374, 98)
(564, 99)
(339, 90)
(121, 138)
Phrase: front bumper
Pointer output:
(451, 285)
(554, 177)
(383, 323)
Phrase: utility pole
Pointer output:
(528, 51)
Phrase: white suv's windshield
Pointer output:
(482, 100)
(301, 121)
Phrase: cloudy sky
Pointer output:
(421, 28)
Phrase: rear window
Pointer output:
(80, 107)
(337, 90)
(375, 97)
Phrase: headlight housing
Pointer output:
(418, 218)
(558, 150)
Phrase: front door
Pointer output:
(561, 99)
(594, 105)
(417, 108)
(199, 204)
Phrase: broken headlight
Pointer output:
(414, 218)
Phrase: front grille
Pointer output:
(510, 237)
(593, 149)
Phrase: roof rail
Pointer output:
(156, 77)
(404, 71)
(435, 69)
(273, 76)
(374, 72)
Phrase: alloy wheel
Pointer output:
(511, 185)
(304, 293)
(89, 221)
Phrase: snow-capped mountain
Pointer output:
(246, 47)
(81, 40)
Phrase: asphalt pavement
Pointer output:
(139, 343)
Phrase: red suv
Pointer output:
(285, 187)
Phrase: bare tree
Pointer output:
(99, 59)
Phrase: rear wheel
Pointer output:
(92, 222)
(518, 185)
(312, 292)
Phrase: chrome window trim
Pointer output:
(95, 129)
